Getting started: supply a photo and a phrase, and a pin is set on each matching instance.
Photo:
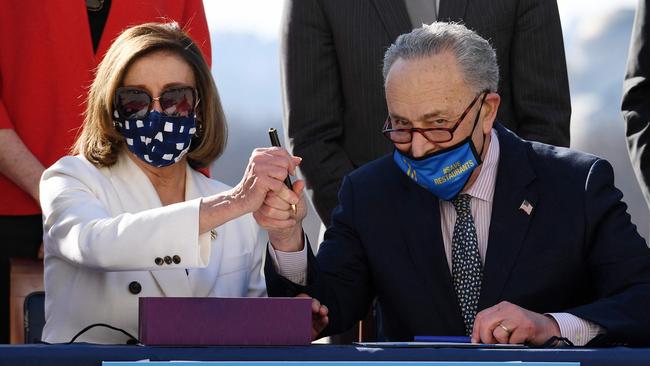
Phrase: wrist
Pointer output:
(292, 240)
(217, 210)
(553, 328)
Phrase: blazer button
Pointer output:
(168, 259)
(159, 261)
(176, 259)
(135, 287)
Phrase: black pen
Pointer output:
(275, 141)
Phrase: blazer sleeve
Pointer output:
(339, 276)
(313, 101)
(636, 105)
(540, 87)
(197, 25)
(618, 262)
(79, 228)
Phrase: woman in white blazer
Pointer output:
(130, 215)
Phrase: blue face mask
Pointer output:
(157, 139)
(444, 173)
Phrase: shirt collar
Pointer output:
(483, 187)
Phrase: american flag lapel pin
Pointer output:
(526, 207)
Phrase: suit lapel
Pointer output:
(423, 236)
(452, 10)
(509, 222)
(394, 17)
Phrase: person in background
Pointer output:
(333, 92)
(467, 229)
(130, 215)
(49, 52)
(636, 99)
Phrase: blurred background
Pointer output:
(244, 36)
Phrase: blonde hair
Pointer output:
(100, 142)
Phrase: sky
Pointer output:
(258, 17)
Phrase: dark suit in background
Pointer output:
(636, 98)
(332, 53)
(576, 252)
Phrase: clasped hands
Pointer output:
(270, 200)
(262, 191)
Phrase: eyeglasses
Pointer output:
(131, 102)
(398, 135)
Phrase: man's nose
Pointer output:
(419, 145)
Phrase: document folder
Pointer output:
(191, 321)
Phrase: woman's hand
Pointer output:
(267, 168)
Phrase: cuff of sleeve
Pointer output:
(577, 330)
(290, 265)
(205, 239)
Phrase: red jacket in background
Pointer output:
(47, 64)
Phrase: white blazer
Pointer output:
(106, 234)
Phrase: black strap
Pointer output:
(132, 339)
(557, 342)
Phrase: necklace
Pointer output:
(94, 5)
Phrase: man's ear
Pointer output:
(489, 111)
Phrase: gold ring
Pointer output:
(505, 329)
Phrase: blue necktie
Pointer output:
(466, 268)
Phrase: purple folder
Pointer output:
(192, 321)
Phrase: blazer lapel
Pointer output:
(452, 10)
(510, 219)
(172, 282)
(394, 16)
(423, 236)
(202, 280)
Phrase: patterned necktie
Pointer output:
(466, 268)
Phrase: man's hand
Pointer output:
(283, 225)
(319, 319)
(509, 323)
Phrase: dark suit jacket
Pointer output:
(636, 99)
(577, 251)
(332, 53)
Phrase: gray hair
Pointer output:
(476, 58)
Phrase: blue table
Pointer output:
(87, 354)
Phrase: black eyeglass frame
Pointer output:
(387, 131)
(120, 117)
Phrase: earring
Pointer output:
(199, 129)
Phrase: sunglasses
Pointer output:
(132, 102)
